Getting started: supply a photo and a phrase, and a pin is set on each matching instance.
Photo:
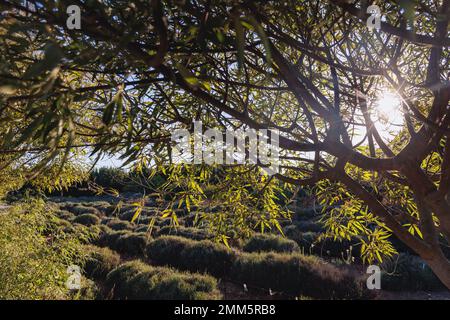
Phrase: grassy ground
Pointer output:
(127, 262)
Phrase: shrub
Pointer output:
(109, 239)
(106, 220)
(66, 205)
(304, 214)
(110, 209)
(128, 214)
(87, 219)
(64, 224)
(189, 220)
(270, 242)
(182, 253)
(100, 205)
(207, 256)
(104, 229)
(307, 241)
(107, 177)
(85, 234)
(78, 210)
(138, 281)
(100, 262)
(409, 273)
(190, 233)
(103, 207)
(159, 221)
(309, 226)
(337, 249)
(166, 250)
(296, 274)
(324, 248)
(145, 228)
(31, 267)
(132, 244)
(66, 215)
(88, 291)
(141, 228)
(303, 239)
(117, 225)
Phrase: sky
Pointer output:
(109, 161)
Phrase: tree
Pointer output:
(136, 70)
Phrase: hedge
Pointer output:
(409, 273)
(100, 262)
(136, 280)
(186, 254)
(270, 242)
(117, 225)
(297, 274)
(78, 210)
(87, 219)
(191, 233)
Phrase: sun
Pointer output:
(388, 114)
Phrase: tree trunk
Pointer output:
(440, 265)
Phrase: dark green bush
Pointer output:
(105, 229)
(409, 273)
(166, 250)
(118, 280)
(103, 207)
(108, 177)
(137, 281)
(309, 226)
(297, 274)
(125, 242)
(128, 214)
(106, 220)
(270, 242)
(64, 224)
(110, 209)
(66, 215)
(88, 291)
(207, 256)
(87, 219)
(131, 244)
(303, 239)
(307, 241)
(117, 225)
(100, 262)
(79, 210)
(336, 249)
(189, 220)
(185, 254)
(100, 205)
(324, 248)
(159, 221)
(141, 228)
(109, 239)
(145, 228)
(190, 233)
(304, 214)
(86, 234)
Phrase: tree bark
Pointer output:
(440, 265)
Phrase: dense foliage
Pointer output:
(35, 252)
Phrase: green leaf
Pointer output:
(108, 113)
(188, 76)
(136, 214)
(52, 57)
